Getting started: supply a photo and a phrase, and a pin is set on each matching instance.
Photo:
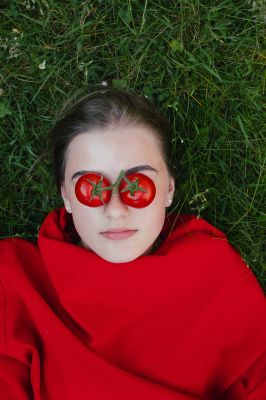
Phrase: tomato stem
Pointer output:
(132, 186)
(97, 189)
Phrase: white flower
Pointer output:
(14, 51)
(42, 65)
(29, 4)
(3, 43)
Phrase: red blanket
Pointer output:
(185, 322)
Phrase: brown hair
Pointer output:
(103, 107)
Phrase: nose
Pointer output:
(115, 206)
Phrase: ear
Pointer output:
(65, 199)
(171, 186)
(171, 190)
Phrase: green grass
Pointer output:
(201, 62)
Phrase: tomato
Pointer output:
(90, 190)
(137, 190)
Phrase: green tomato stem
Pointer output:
(132, 186)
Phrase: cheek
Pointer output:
(150, 219)
(87, 220)
(160, 197)
(83, 213)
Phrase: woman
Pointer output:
(165, 309)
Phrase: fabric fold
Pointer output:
(184, 322)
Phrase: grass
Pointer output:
(201, 62)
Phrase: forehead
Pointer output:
(113, 150)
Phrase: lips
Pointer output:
(119, 234)
(118, 230)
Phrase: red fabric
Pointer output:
(185, 322)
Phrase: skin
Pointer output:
(110, 151)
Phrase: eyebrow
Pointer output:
(127, 172)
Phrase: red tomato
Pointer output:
(90, 190)
(138, 192)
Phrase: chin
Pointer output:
(119, 260)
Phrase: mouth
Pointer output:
(119, 234)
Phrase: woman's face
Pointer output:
(109, 152)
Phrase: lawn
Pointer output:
(201, 62)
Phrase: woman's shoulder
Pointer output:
(22, 274)
(198, 235)
(207, 252)
(189, 224)
(15, 246)
(19, 258)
